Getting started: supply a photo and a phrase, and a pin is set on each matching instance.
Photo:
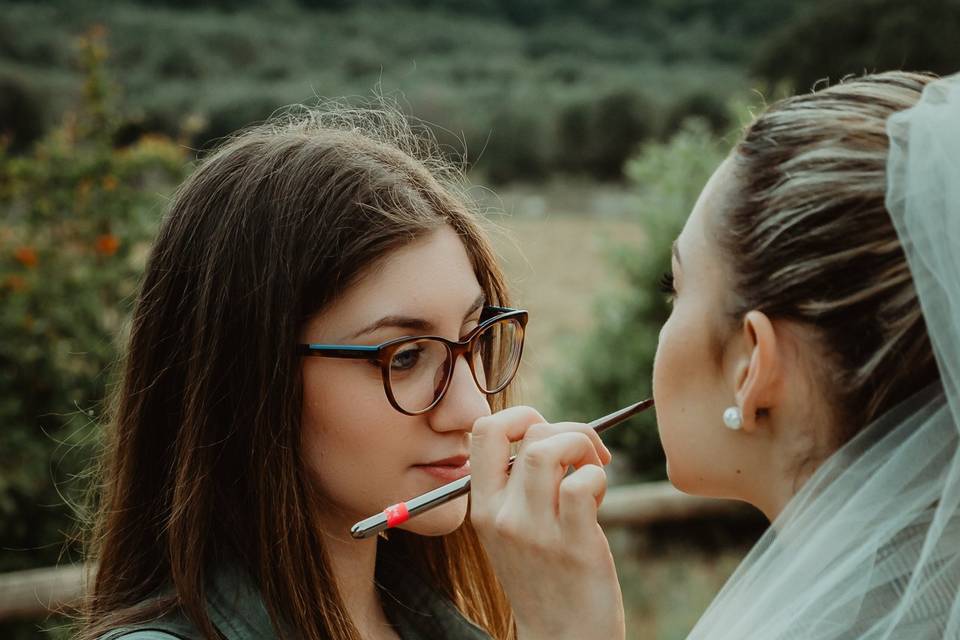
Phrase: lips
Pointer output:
(447, 469)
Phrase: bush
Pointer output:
(492, 76)
(833, 39)
(21, 111)
(516, 150)
(77, 216)
(596, 136)
(700, 104)
(623, 121)
(612, 366)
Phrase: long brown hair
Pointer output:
(810, 239)
(204, 439)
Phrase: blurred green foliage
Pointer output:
(830, 39)
(528, 88)
(76, 217)
(523, 90)
(612, 365)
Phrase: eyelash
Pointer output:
(373, 362)
(666, 284)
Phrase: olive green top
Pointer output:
(415, 609)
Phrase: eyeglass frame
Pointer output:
(383, 354)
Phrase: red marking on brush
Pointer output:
(397, 514)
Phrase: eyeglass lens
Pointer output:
(420, 369)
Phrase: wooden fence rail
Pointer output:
(34, 593)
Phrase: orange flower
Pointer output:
(107, 244)
(16, 283)
(26, 256)
(109, 183)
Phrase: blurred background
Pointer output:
(586, 127)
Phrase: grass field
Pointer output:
(552, 241)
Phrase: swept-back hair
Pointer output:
(810, 239)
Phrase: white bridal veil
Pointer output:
(870, 546)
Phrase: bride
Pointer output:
(810, 366)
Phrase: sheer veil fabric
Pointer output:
(869, 548)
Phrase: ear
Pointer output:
(757, 375)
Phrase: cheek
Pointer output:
(665, 364)
(665, 389)
(685, 371)
(682, 383)
(359, 451)
(349, 435)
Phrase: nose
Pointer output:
(462, 404)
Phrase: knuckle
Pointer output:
(534, 456)
(592, 435)
(482, 426)
(529, 414)
(573, 490)
(595, 474)
(584, 482)
(574, 427)
(506, 527)
(582, 439)
(538, 431)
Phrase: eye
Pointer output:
(406, 359)
(666, 285)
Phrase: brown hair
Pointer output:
(204, 440)
(809, 239)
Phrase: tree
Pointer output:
(835, 38)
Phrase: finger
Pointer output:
(542, 431)
(580, 496)
(539, 469)
(490, 449)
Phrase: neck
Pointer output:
(352, 563)
(774, 495)
(794, 452)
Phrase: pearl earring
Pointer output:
(733, 418)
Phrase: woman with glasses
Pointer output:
(321, 322)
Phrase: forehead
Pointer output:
(698, 237)
(430, 278)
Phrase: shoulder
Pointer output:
(143, 634)
(166, 628)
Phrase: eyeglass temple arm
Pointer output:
(491, 311)
(360, 352)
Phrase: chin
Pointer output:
(439, 521)
(680, 481)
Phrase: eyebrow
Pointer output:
(676, 252)
(413, 323)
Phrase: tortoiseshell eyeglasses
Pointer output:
(417, 370)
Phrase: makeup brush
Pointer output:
(399, 513)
